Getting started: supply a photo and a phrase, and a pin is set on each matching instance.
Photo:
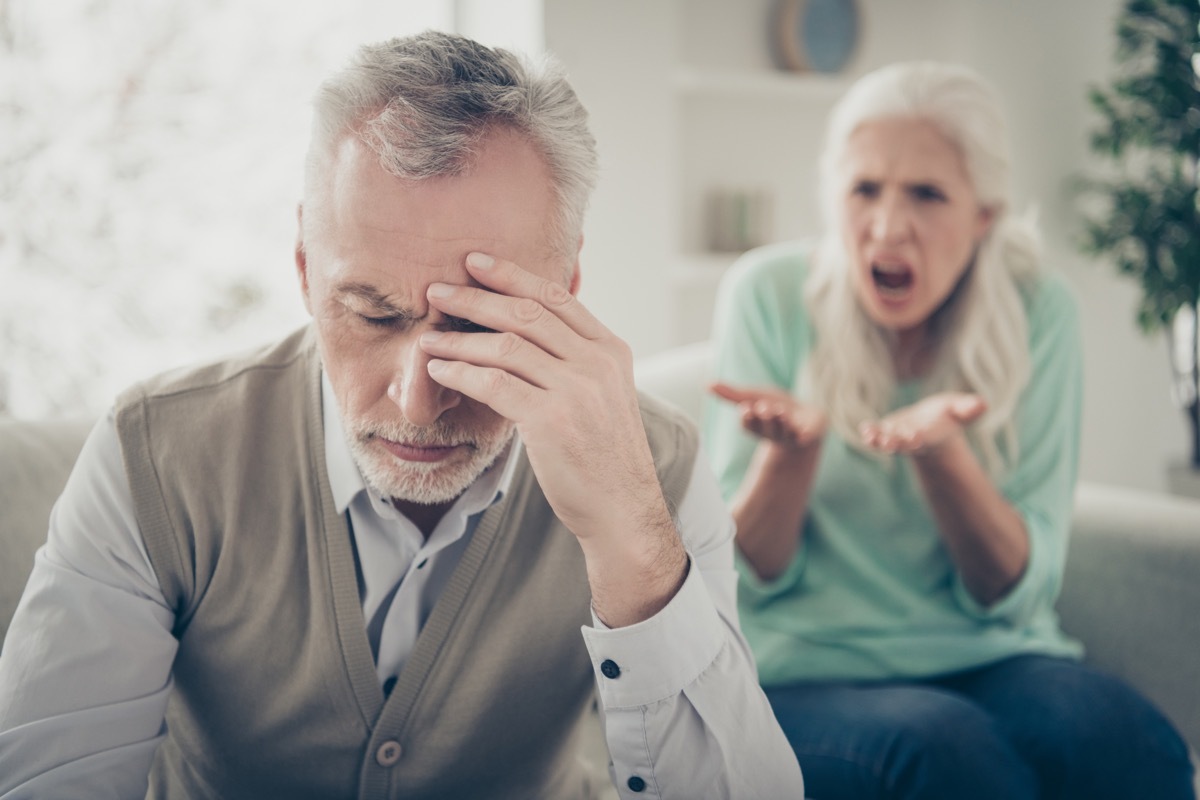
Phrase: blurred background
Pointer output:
(151, 159)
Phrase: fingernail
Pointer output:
(429, 337)
(439, 290)
(435, 366)
(480, 260)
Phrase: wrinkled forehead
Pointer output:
(373, 222)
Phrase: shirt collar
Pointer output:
(346, 481)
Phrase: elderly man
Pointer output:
(356, 563)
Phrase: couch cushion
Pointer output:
(35, 460)
(1130, 593)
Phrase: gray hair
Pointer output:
(982, 326)
(424, 102)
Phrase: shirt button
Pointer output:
(609, 668)
(636, 784)
(388, 754)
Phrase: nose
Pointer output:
(420, 398)
(891, 221)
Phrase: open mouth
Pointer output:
(893, 281)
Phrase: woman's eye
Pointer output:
(865, 189)
(928, 193)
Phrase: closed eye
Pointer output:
(383, 322)
(928, 192)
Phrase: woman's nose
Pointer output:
(890, 220)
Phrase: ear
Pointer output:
(302, 258)
(573, 288)
(983, 222)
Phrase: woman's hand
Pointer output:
(983, 533)
(770, 504)
(925, 426)
(776, 416)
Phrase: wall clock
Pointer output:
(814, 35)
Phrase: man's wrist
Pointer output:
(636, 575)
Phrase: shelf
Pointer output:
(701, 269)
(773, 85)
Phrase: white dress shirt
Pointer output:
(86, 669)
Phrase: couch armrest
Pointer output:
(679, 376)
(1131, 593)
(35, 460)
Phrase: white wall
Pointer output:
(1041, 56)
(620, 57)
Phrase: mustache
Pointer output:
(443, 434)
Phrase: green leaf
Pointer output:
(1148, 128)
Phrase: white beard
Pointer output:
(426, 483)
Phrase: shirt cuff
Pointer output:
(656, 658)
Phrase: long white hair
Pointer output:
(982, 327)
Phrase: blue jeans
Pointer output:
(1026, 727)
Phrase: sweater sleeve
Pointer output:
(760, 336)
(1041, 484)
(86, 670)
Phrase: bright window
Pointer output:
(151, 158)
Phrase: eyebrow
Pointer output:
(929, 185)
(372, 296)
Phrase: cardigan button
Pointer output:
(636, 784)
(609, 668)
(388, 754)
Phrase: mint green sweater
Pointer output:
(872, 594)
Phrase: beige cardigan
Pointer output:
(276, 693)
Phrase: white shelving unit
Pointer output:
(741, 125)
(700, 269)
(777, 86)
(696, 87)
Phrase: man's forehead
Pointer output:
(397, 235)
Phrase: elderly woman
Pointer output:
(897, 431)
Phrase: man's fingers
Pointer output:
(506, 351)
(506, 394)
(506, 278)
(520, 315)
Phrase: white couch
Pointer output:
(1131, 591)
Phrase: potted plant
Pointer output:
(1146, 217)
